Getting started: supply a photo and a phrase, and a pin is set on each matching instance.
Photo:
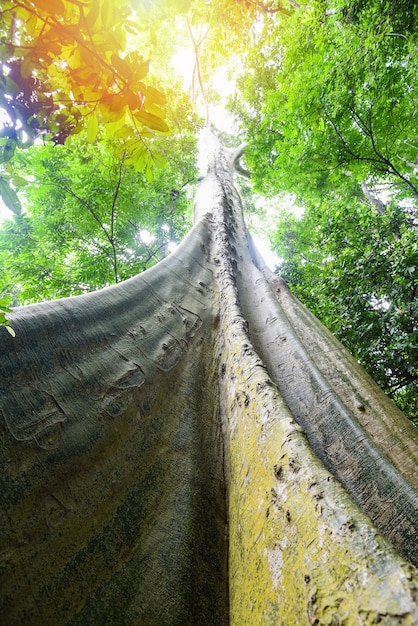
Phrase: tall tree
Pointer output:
(192, 446)
(356, 271)
(128, 415)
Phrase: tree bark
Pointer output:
(374, 200)
(191, 446)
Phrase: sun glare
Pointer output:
(183, 62)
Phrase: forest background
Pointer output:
(99, 145)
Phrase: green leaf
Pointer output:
(4, 306)
(152, 121)
(148, 172)
(10, 197)
(92, 127)
(18, 180)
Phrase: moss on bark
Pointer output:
(142, 424)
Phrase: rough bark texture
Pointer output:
(191, 446)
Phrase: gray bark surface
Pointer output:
(191, 446)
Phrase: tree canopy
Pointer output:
(86, 203)
(326, 99)
(67, 65)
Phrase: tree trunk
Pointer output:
(191, 446)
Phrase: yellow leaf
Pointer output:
(92, 127)
(151, 94)
(121, 66)
(106, 14)
(51, 6)
(11, 331)
(89, 59)
(27, 66)
(21, 13)
(73, 57)
(140, 69)
(152, 121)
(133, 100)
(113, 120)
(31, 24)
(121, 37)
(155, 96)
(153, 108)
(92, 15)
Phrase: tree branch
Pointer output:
(109, 235)
(376, 202)
(198, 69)
(386, 166)
(113, 219)
(368, 130)
(235, 157)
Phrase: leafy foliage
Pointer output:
(357, 271)
(69, 70)
(332, 96)
(330, 109)
(90, 218)
(66, 65)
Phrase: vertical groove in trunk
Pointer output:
(141, 423)
(113, 491)
(298, 542)
(387, 494)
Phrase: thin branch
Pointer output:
(407, 380)
(198, 70)
(109, 236)
(236, 156)
(85, 204)
(395, 35)
(113, 219)
(368, 131)
(152, 254)
(386, 166)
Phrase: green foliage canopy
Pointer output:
(329, 98)
(330, 103)
(90, 218)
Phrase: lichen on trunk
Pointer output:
(192, 447)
